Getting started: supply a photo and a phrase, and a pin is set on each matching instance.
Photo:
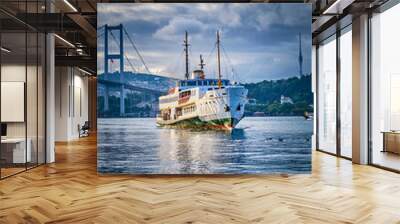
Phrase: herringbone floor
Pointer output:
(70, 191)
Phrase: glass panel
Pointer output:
(385, 84)
(23, 89)
(327, 95)
(32, 88)
(31, 98)
(13, 87)
(41, 99)
(346, 93)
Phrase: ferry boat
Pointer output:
(203, 103)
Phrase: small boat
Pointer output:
(308, 116)
(203, 103)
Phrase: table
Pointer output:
(15, 148)
(391, 141)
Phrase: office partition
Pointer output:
(22, 77)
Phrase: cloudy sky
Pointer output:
(259, 41)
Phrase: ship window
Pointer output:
(227, 109)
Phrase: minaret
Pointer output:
(186, 44)
(300, 57)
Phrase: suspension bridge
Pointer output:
(120, 84)
(116, 84)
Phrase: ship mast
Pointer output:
(219, 61)
(186, 44)
(201, 62)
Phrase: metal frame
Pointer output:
(338, 98)
(338, 152)
(44, 74)
(0, 92)
(387, 5)
(317, 97)
(369, 100)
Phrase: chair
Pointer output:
(84, 130)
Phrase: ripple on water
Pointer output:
(258, 145)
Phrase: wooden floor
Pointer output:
(70, 191)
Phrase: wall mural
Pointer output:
(204, 88)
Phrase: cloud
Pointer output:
(176, 28)
(260, 39)
(114, 13)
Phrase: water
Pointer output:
(259, 145)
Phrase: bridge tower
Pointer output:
(107, 55)
(120, 58)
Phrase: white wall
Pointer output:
(71, 102)
(62, 81)
(34, 124)
(14, 73)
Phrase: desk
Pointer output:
(15, 148)
(391, 141)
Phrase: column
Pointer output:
(122, 101)
(50, 98)
(106, 94)
(360, 89)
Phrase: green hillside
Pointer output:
(268, 94)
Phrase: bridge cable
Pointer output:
(101, 27)
(137, 51)
(211, 52)
(229, 61)
(100, 35)
(176, 66)
(126, 57)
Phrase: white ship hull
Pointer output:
(207, 107)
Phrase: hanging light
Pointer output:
(5, 50)
(70, 5)
(64, 40)
(84, 71)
